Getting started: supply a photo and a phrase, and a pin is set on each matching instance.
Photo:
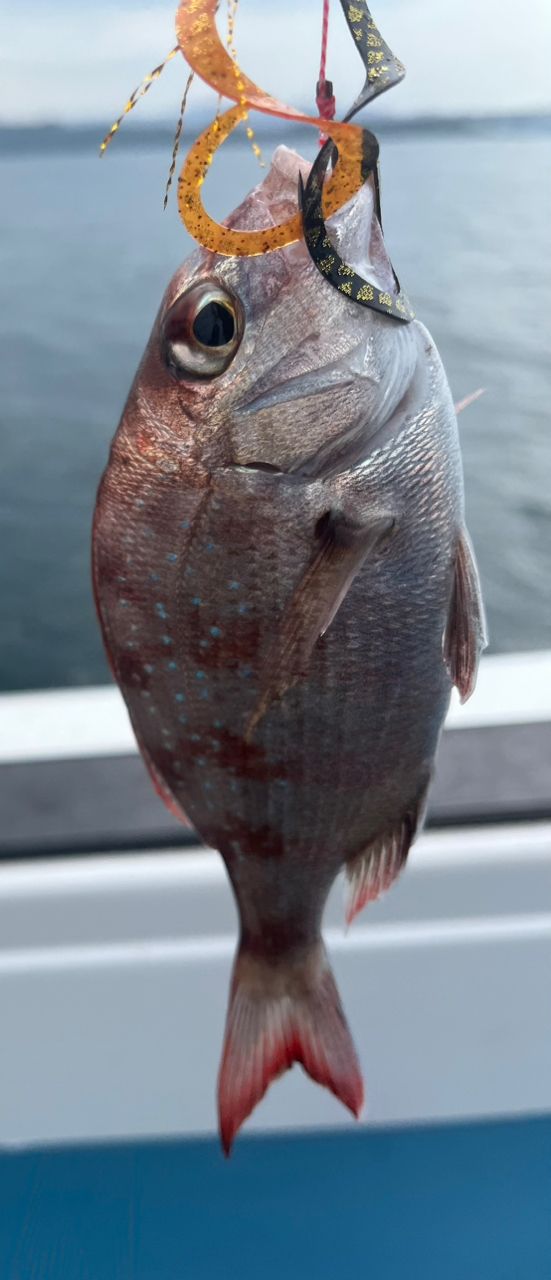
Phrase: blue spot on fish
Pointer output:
(200, 675)
(218, 724)
(172, 557)
(180, 697)
(196, 600)
(160, 609)
(204, 694)
(167, 640)
(245, 671)
(204, 644)
(243, 607)
(216, 632)
(149, 668)
(139, 502)
(184, 524)
(195, 737)
(210, 546)
(233, 585)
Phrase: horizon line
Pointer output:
(202, 119)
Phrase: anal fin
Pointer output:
(371, 872)
(343, 544)
(465, 634)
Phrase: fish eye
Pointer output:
(201, 332)
(214, 324)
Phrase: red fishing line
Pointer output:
(325, 100)
(324, 35)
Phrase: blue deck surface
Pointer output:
(466, 1202)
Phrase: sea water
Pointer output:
(85, 254)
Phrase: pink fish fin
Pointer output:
(467, 400)
(343, 544)
(283, 1011)
(371, 872)
(465, 634)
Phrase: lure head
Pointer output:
(258, 360)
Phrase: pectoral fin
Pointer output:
(465, 634)
(343, 547)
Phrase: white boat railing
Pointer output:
(114, 971)
(55, 724)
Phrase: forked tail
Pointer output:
(283, 1011)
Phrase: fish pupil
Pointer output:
(214, 325)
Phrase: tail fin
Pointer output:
(280, 1012)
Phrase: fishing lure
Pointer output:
(351, 150)
(383, 70)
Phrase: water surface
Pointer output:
(85, 253)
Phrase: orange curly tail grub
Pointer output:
(202, 48)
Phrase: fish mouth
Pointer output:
(406, 388)
(356, 364)
(303, 384)
(275, 388)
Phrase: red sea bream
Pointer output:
(287, 595)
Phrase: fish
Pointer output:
(287, 594)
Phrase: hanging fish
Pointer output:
(287, 595)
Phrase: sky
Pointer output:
(64, 60)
